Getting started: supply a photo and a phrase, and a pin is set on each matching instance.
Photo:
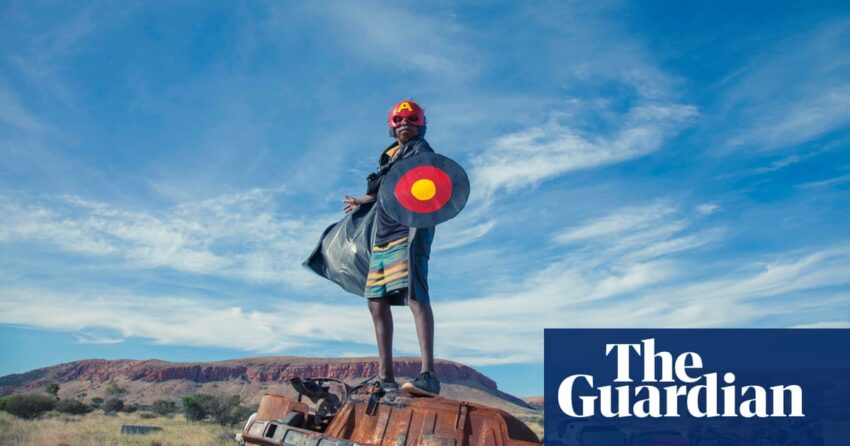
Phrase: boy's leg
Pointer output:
(382, 317)
(426, 384)
(423, 317)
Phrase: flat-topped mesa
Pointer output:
(252, 370)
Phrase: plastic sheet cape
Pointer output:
(344, 250)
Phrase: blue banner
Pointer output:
(697, 387)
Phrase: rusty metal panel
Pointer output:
(397, 433)
(400, 421)
(275, 407)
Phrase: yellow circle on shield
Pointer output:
(423, 189)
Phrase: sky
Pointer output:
(168, 166)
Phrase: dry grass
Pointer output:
(535, 423)
(97, 429)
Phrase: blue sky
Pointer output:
(166, 168)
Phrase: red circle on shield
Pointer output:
(424, 189)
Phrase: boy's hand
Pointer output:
(352, 203)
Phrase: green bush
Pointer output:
(115, 390)
(228, 411)
(224, 410)
(73, 407)
(29, 405)
(96, 402)
(113, 405)
(52, 389)
(197, 407)
(164, 407)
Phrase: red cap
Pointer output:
(409, 110)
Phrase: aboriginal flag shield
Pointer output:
(424, 190)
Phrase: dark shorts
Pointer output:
(388, 270)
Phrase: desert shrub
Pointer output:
(196, 407)
(228, 411)
(147, 415)
(224, 410)
(52, 389)
(3, 403)
(29, 405)
(96, 402)
(73, 407)
(130, 408)
(113, 405)
(113, 389)
(164, 407)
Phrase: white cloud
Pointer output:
(497, 329)
(811, 116)
(92, 338)
(707, 208)
(792, 93)
(530, 156)
(166, 320)
(825, 183)
(44, 55)
(461, 232)
(237, 236)
(394, 37)
(645, 294)
(618, 222)
(825, 324)
(13, 113)
(635, 234)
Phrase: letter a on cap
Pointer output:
(404, 106)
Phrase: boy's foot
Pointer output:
(426, 384)
(390, 389)
(388, 386)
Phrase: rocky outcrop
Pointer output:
(534, 401)
(249, 370)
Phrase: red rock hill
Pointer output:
(250, 370)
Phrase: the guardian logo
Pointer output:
(678, 388)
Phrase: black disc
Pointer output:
(424, 190)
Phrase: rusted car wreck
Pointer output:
(335, 414)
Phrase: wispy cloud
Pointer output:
(15, 115)
(629, 236)
(620, 106)
(708, 208)
(630, 220)
(391, 36)
(164, 319)
(825, 324)
(237, 236)
(530, 156)
(792, 93)
(657, 293)
(773, 166)
(812, 116)
(826, 183)
(83, 337)
(619, 285)
(42, 57)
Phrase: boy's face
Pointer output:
(406, 131)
